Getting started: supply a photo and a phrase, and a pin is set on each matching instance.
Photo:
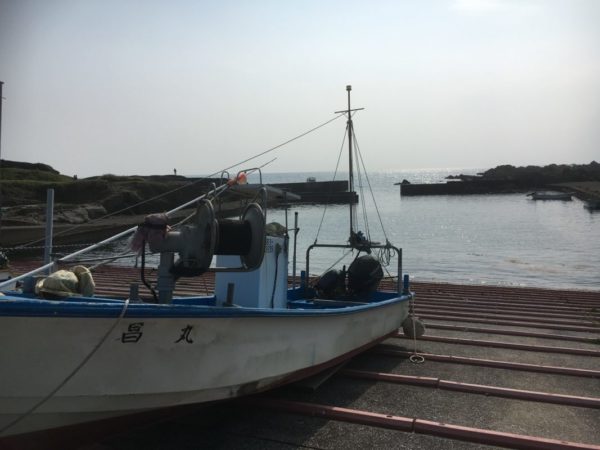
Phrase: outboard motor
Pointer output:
(364, 275)
(332, 284)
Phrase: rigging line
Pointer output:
(372, 194)
(337, 165)
(338, 261)
(360, 190)
(364, 203)
(190, 216)
(357, 168)
(286, 142)
(361, 187)
(76, 227)
(102, 260)
(346, 133)
(106, 216)
(189, 184)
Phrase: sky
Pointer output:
(143, 87)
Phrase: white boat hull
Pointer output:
(147, 363)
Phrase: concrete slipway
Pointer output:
(504, 368)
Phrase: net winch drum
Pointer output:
(245, 237)
(197, 244)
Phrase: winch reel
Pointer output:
(197, 243)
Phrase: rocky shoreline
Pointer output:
(581, 180)
(79, 201)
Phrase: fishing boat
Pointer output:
(71, 359)
(565, 196)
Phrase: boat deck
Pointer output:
(504, 368)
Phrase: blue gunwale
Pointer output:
(19, 305)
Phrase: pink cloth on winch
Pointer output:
(153, 230)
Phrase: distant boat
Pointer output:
(550, 196)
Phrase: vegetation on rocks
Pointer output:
(25, 184)
(539, 176)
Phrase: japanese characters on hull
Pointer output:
(135, 332)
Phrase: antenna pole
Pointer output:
(350, 128)
(350, 168)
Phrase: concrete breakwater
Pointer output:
(582, 180)
(319, 191)
(466, 187)
(583, 190)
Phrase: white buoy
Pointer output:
(413, 328)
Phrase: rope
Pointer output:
(286, 142)
(106, 260)
(26, 245)
(371, 189)
(363, 206)
(71, 375)
(278, 252)
(143, 275)
(335, 263)
(362, 194)
(331, 187)
(415, 358)
(384, 256)
(40, 247)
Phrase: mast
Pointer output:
(349, 112)
(350, 168)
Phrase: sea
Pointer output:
(500, 239)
